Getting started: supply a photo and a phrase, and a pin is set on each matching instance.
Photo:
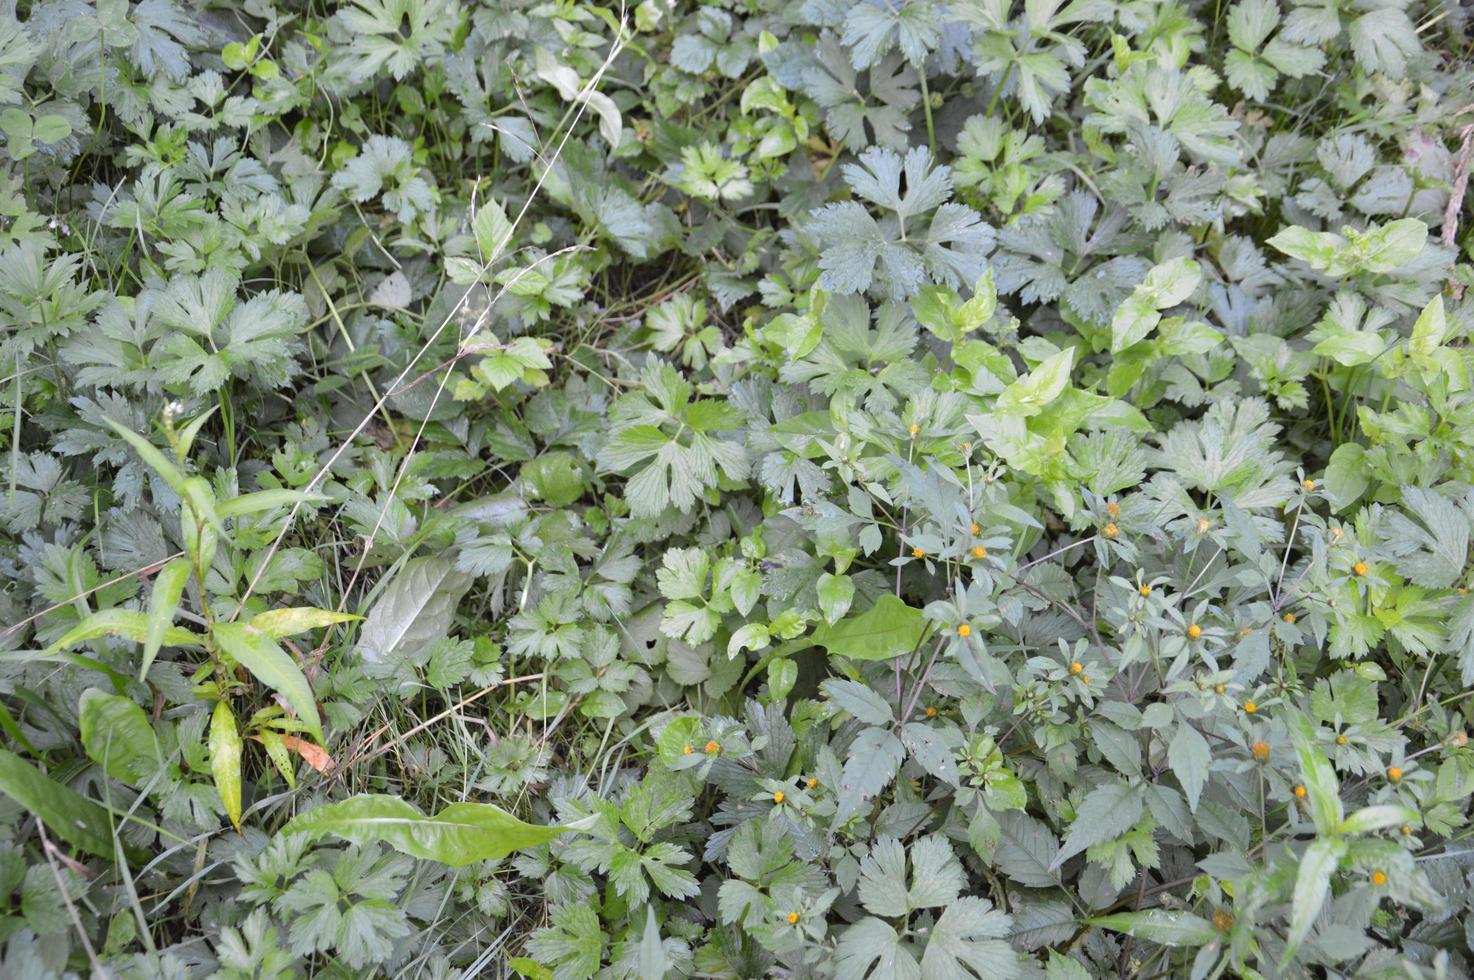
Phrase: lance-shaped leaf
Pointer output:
(460, 834)
(168, 588)
(277, 623)
(272, 666)
(225, 760)
(130, 624)
(1161, 926)
(67, 814)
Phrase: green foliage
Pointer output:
(841, 489)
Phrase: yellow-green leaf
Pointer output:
(225, 760)
(460, 834)
(277, 623)
(272, 666)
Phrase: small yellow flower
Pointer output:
(1244, 633)
(913, 430)
(931, 712)
(712, 748)
(812, 782)
(1194, 631)
(1463, 590)
(1290, 618)
(1379, 879)
(976, 529)
(1145, 590)
(687, 750)
(964, 631)
(1250, 707)
(979, 552)
(1085, 679)
(1300, 792)
(778, 797)
(1260, 751)
(1114, 509)
(1203, 525)
(1110, 530)
(1407, 830)
(1340, 739)
(967, 447)
(1308, 484)
(793, 918)
(1360, 568)
(1077, 667)
(1394, 774)
(918, 552)
(1220, 689)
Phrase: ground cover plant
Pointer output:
(802, 488)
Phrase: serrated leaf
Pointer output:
(1190, 757)
(1106, 813)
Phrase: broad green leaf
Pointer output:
(1431, 329)
(415, 609)
(279, 623)
(1033, 392)
(1106, 813)
(69, 815)
(1378, 817)
(885, 630)
(859, 700)
(460, 834)
(1312, 883)
(1165, 286)
(753, 636)
(272, 666)
(1190, 757)
(836, 593)
(162, 604)
(117, 736)
(1161, 926)
(225, 760)
(1346, 475)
